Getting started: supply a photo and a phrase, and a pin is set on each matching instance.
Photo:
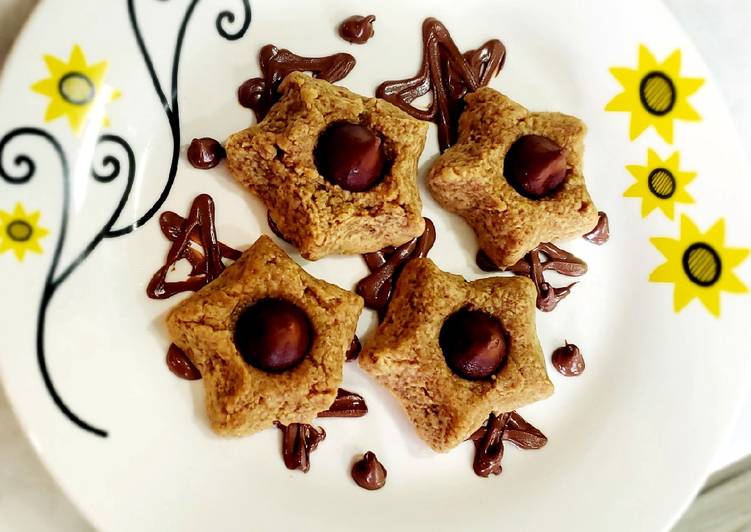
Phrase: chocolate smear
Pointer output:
(354, 349)
(489, 438)
(386, 264)
(568, 360)
(259, 94)
(346, 404)
(601, 233)
(449, 75)
(179, 364)
(187, 234)
(369, 473)
(298, 441)
(357, 29)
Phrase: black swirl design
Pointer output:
(106, 168)
(171, 105)
(53, 280)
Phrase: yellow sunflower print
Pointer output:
(699, 265)
(75, 89)
(655, 94)
(660, 184)
(20, 232)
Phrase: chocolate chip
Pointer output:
(354, 349)
(369, 473)
(473, 343)
(273, 335)
(568, 360)
(535, 166)
(298, 441)
(346, 404)
(205, 153)
(179, 364)
(357, 29)
(351, 156)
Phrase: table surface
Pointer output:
(31, 501)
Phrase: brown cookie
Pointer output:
(470, 179)
(406, 356)
(240, 398)
(276, 160)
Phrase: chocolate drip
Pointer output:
(601, 233)
(489, 447)
(448, 74)
(357, 29)
(259, 94)
(185, 233)
(386, 264)
(346, 404)
(179, 364)
(568, 360)
(354, 349)
(545, 257)
(298, 441)
(489, 438)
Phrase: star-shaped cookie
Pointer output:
(469, 179)
(406, 357)
(276, 161)
(242, 399)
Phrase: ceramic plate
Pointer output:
(99, 101)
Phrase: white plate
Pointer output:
(630, 440)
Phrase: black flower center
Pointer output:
(661, 183)
(657, 93)
(19, 230)
(76, 88)
(702, 264)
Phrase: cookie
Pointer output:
(337, 171)
(515, 176)
(449, 381)
(269, 340)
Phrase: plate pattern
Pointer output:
(77, 91)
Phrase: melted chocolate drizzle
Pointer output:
(354, 349)
(346, 404)
(199, 228)
(489, 439)
(601, 233)
(545, 257)
(298, 441)
(259, 94)
(386, 264)
(179, 364)
(448, 74)
(357, 29)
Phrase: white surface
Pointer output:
(29, 501)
